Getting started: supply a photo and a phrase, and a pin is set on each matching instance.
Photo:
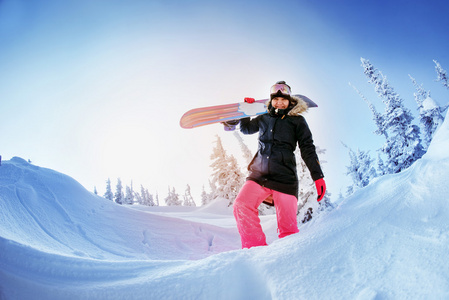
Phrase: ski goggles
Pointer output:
(280, 88)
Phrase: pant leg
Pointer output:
(247, 215)
(286, 208)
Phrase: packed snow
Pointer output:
(429, 104)
(389, 240)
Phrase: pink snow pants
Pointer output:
(247, 216)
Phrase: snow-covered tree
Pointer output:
(205, 197)
(219, 169)
(108, 194)
(325, 204)
(430, 114)
(95, 190)
(213, 191)
(145, 198)
(129, 195)
(227, 179)
(173, 198)
(157, 200)
(138, 196)
(188, 199)
(144, 195)
(118, 196)
(150, 201)
(403, 143)
(421, 94)
(381, 170)
(247, 155)
(236, 179)
(377, 117)
(307, 194)
(441, 74)
(361, 169)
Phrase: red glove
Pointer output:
(249, 100)
(320, 188)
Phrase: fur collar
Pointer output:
(300, 106)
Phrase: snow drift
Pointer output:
(389, 240)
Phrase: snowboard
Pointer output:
(221, 113)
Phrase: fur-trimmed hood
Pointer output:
(298, 105)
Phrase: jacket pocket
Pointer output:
(289, 160)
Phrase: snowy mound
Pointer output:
(389, 240)
(53, 213)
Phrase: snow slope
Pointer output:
(389, 240)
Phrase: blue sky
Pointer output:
(95, 89)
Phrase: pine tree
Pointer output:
(430, 116)
(308, 205)
(95, 190)
(442, 75)
(227, 179)
(145, 197)
(219, 169)
(307, 191)
(188, 199)
(381, 170)
(118, 196)
(168, 199)
(173, 198)
(150, 199)
(176, 199)
(420, 94)
(247, 155)
(235, 180)
(403, 144)
(377, 117)
(325, 204)
(360, 169)
(138, 196)
(367, 169)
(108, 194)
(213, 192)
(205, 197)
(129, 196)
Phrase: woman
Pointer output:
(272, 172)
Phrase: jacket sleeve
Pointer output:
(307, 148)
(249, 126)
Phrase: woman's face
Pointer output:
(280, 103)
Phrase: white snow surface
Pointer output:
(429, 104)
(389, 240)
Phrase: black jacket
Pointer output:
(274, 165)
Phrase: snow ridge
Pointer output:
(389, 240)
